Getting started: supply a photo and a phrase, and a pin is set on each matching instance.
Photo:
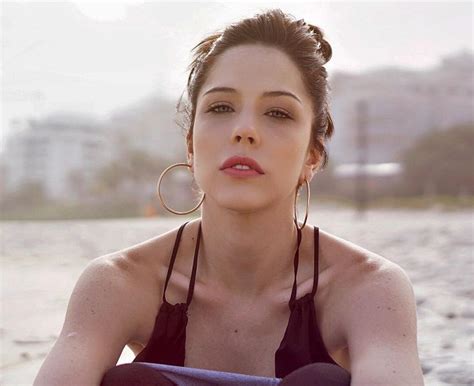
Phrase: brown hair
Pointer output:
(302, 42)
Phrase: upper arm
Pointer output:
(380, 325)
(99, 323)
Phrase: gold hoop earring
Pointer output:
(161, 198)
(308, 193)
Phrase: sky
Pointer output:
(99, 57)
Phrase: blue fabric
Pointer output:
(158, 374)
(188, 376)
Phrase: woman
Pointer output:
(246, 288)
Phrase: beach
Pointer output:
(42, 260)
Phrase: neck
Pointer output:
(248, 254)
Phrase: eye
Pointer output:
(215, 107)
(280, 113)
(283, 116)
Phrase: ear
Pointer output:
(190, 161)
(190, 154)
(310, 168)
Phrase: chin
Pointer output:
(241, 200)
(243, 209)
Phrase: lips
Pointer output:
(229, 162)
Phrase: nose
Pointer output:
(245, 137)
(246, 132)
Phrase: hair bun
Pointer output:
(324, 46)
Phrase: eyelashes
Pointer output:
(213, 109)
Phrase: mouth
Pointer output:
(241, 166)
(235, 172)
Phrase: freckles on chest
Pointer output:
(238, 343)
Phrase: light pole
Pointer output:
(362, 149)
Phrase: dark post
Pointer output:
(361, 193)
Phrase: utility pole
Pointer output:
(362, 149)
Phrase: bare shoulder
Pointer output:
(369, 279)
(145, 266)
(354, 269)
(337, 252)
(374, 301)
(154, 253)
(380, 325)
(101, 318)
(125, 278)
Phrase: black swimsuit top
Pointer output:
(302, 343)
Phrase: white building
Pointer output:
(63, 151)
(149, 126)
(401, 105)
(60, 152)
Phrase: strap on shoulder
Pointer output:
(316, 261)
(295, 265)
(173, 258)
(193, 274)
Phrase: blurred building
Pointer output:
(402, 105)
(149, 126)
(63, 151)
(60, 153)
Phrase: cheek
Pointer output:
(205, 141)
(293, 149)
(206, 162)
(207, 131)
(293, 164)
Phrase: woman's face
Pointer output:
(273, 130)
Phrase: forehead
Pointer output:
(253, 68)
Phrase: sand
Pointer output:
(41, 262)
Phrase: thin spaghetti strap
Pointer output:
(173, 258)
(316, 261)
(193, 274)
(295, 264)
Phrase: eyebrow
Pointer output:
(265, 94)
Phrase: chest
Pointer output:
(243, 341)
(244, 337)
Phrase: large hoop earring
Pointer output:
(308, 193)
(161, 198)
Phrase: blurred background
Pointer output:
(88, 123)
